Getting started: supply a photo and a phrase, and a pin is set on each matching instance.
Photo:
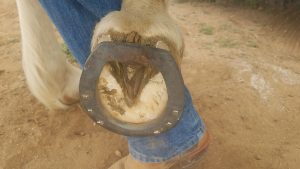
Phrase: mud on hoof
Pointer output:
(131, 92)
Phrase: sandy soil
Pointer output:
(246, 87)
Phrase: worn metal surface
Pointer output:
(126, 52)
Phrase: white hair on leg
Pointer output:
(51, 79)
(148, 18)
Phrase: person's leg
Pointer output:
(179, 147)
(75, 20)
(177, 140)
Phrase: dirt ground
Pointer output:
(246, 86)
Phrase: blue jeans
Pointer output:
(75, 20)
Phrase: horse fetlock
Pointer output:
(70, 92)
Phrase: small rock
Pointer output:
(2, 71)
(228, 98)
(79, 133)
(256, 157)
(118, 153)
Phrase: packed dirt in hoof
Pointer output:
(149, 105)
(244, 83)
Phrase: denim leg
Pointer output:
(75, 20)
(188, 131)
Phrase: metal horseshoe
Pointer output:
(124, 52)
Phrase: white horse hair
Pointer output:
(53, 80)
